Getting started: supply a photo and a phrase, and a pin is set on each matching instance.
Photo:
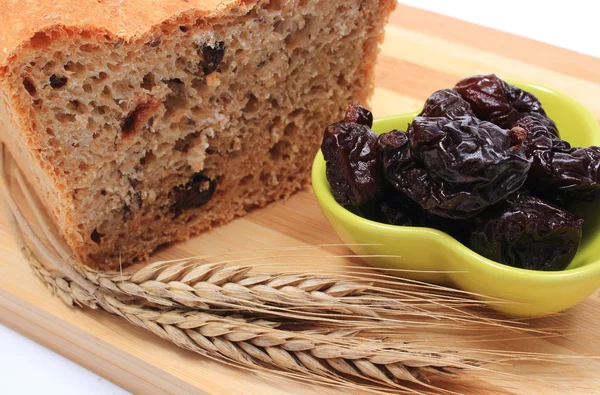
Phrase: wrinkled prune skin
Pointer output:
(360, 115)
(539, 135)
(487, 96)
(196, 193)
(446, 103)
(352, 164)
(393, 149)
(559, 171)
(492, 99)
(213, 56)
(453, 168)
(527, 232)
(523, 101)
(544, 120)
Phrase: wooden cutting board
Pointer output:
(422, 52)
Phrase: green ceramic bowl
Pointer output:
(433, 256)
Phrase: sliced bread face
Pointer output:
(138, 140)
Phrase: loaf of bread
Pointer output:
(143, 122)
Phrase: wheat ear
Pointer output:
(302, 296)
(259, 345)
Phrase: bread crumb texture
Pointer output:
(147, 121)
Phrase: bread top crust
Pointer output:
(30, 24)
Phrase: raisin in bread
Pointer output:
(142, 122)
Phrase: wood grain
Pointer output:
(422, 52)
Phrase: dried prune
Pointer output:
(454, 168)
(58, 81)
(539, 135)
(196, 193)
(213, 56)
(446, 103)
(572, 173)
(358, 114)
(487, 96)
(559, 170)
(352, 165)
(494, 100)
(394, 150)
(522, 101)
(527, 232)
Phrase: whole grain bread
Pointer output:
(142, 122)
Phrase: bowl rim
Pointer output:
(327, 202)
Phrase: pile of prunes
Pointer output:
(482, 162)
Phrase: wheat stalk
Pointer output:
(258, 344)
(302, 296)
(308, 356)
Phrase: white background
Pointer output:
(28, 368)
(571, 24)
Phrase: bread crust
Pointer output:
(23, 23)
